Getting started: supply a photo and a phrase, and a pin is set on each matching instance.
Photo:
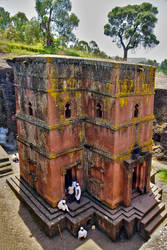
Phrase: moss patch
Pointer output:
(162, 174)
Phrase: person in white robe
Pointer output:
(82, 233)
(63, 206)
(78, 192)
(15, 157)
(74, 183)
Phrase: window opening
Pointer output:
(136, 112)
(30, 109)
(99, 111)
(67, 111)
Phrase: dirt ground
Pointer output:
(19, 230)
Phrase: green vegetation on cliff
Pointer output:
(22, 49)
(162, 174)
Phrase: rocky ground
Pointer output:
(19, 230)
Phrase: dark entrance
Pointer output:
(68, 178)
(134, 179)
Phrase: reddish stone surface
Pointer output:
(99, 139)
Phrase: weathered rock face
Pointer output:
(82, 118)
(7, 103)
(160, 124)
(7, 99)
(3, 113)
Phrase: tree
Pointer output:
(55, 17)
(163, 66)
(83, 46)
(11, 34)
(32, 31)
(151, 62)
(18, 22)
(131, 26)
(94, 47)
(4, 19)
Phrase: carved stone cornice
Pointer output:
(131, 163)
(71, 165)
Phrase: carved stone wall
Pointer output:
(72, 110)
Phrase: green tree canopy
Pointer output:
(163, 66)
(32, 31)
(83, 46)
(131, 26)
(4, 19)
(55, 17)
(94, 47)
(151, 62)
(18, 22)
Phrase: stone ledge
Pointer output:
(90, 211)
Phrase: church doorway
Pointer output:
(134, 179)
(68, 178)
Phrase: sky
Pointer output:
(93, 17)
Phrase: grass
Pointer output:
(162, 174)
(22, 49)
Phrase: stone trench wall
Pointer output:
(7, 100)
(160, 125)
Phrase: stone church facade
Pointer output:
(84, 119)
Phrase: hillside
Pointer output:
(14, 49)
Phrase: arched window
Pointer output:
(99, 111)
(30, 108)
(67, 111)
(136, 111)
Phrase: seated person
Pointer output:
(63, 206)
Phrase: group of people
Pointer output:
(74, 192)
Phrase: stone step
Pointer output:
(6, 169)
(155, 222)
(117, 214)
(159, 208)
(158, 197)
(80, 217)
(132, 212)
(107, 214)
(6, 173)
(4, 159)
(43, 210)
(111, 214)
(155, 189)
(135, 194)
(80, 210)
(74, 205)
(46, 223)
(38, 197)
(156, 192)
(28, 196)
(5, 164)
(45, 204)
(100, 204)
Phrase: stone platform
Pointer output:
(144, 215)
(5, 165)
